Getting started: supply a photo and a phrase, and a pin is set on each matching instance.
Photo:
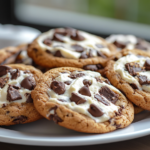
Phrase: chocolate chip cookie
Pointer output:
(81, 100)
(16, 104)
(128, 42)
(18, 55)
(131, 74)
(67, 47)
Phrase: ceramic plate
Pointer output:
(47, 133)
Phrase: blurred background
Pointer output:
(101, 17)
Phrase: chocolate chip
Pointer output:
(28, 83)
(85, 90)
(107, 81)
(19, 119)
(87, 82)
(47, 42)
(109, 94)
(98, 79)
(58, 54)
(29, 98)
(78, 48)
(101, 54)
(58, 87)
(62, 100)
(101, 99)
(4, 70)
(119, 45)
(83, 55)
(67, 82)
(14, 74)
(142, 45)
(90, 67)
(77, 36)
(99, 66)
(3, 81)
(4, 105)
(58, 37)
(48, 51)
(74, 76)
(95, 111)
(35, 50)
(134, 86)
(54, 116)
(90, 54)
(62, 32)
(99, 45)
(133, 68)
(77, 99)
(13, 94)
(143, 80)
(147, 65)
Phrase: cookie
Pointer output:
(16, 83)
(67, 47)
(128, 42)
(131, 74)
(18, 55)
(82, 101)
(137, 109)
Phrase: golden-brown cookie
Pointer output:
(70, 48)
(16, 83)
(81, 100)
(131, 74)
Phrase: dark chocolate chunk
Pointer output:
(4, 70)
(74, 76)
(47, 41)
(48, 51)
(134, 86)
(133, 68)
(99, 45)
(28, 83)
(77, 36)
(29, 98)
(62, 100)
(142, 45)
(143, 80)
(98, 79)
(35, 49)
(87, 82)
(101, 54)
(3, 81)
(61, 32)
(107, 81)
(77, 99)
(13, 94)
(90, 54)
(119, 45)
(84, 55)
(95, 111)
(78, 48)
(58, 37)
(58, 54)
(67, 82)
(147, 65)
(85, 90)
(109, 94)
(14, 74)
(101, 99)
(90, 67)
(54, 116)
(99, 66)
(58, 87)
(19, 119)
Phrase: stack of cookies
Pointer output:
(80, 81)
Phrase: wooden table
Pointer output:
(136, 144)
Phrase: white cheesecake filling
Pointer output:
(89, 43)
(94, 88)
(119, 67)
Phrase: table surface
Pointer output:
(142, 143)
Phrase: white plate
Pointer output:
(46, 133)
